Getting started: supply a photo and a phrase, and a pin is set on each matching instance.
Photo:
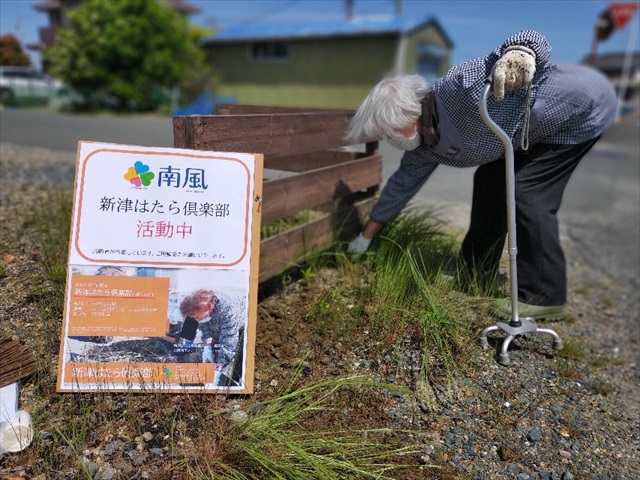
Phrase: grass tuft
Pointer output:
(273, 443)
(411, 280)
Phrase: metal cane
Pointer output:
(517, 325)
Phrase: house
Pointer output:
(331, 65)
(56, 11)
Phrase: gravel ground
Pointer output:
(549, 415)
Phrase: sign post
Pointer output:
(161, 291)
(621, 13)
(616, 17)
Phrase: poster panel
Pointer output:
(161, 292)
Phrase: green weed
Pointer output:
(601, 387)
(568, 369)
(572, 350)
(50, 218)
(607, 302)
(307, 274)
(287, 223)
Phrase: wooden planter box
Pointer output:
(308, 166)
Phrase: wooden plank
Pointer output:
(282, 251)
(286, 196)
(237, 109)
(286, 249)
(309, 161)
(278, 134)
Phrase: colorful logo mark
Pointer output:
(167, 372)
(139, 175)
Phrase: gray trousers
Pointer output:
(541, 175)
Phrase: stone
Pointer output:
(534, 435)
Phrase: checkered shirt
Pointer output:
(571, 104)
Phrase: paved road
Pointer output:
(602, 204)
(42, 128)
(601, 209)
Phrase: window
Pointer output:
(430, 58)
(269, 51)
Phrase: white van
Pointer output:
(26, 86)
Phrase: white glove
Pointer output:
(358, 245)
(515, 69)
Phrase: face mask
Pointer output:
(403, 143)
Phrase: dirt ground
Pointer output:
(572, 414)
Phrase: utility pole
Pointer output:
(349, 8)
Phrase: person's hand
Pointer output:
(358, 245)
(515, 69)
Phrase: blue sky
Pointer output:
(475, 26)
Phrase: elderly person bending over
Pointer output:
(570, 107)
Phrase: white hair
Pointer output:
(392, 105)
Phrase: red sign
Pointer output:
(621, 13)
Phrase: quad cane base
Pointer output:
(513, 329)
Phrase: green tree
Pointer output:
(127, 49)
(199, 77)
(11, 52)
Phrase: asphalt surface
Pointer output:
(46, 129)
(600, 212)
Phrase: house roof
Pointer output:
(613, 62)
(358, 26)
(48, 5)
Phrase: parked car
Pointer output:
(26, 86)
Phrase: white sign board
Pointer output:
(163, 268)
